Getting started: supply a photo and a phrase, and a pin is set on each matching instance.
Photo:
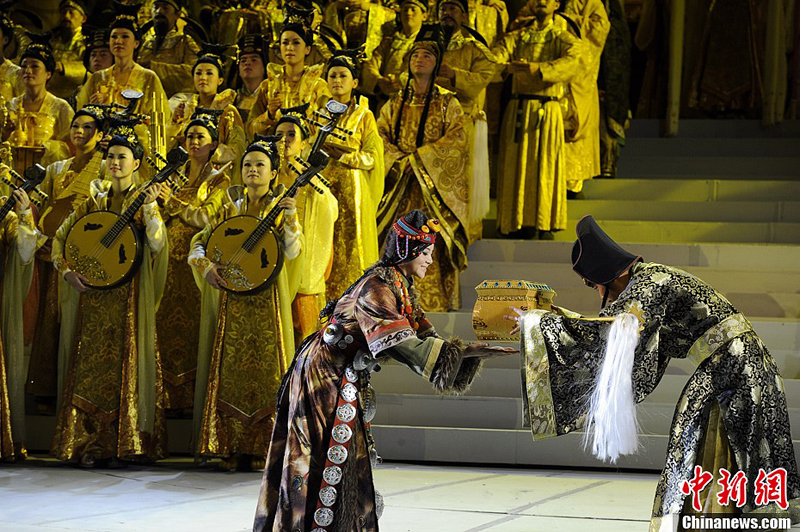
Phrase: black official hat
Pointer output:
(596, 257)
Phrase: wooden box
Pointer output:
(494, 299)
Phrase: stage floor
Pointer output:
(42, 494)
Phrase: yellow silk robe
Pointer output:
(19, 239)
(311, 88)
(172, 62)
(10, 82)
(178, 318)
(489, 20)
(112, 403)
(360, 26)
(244, 101)
(70, 53)
(308, 272)
(357, 182)
(583, 142)
(66, 189)
(246, 346)
(155, 99)
(474, 68)
(432, 178)
(388, 60)
(232, 141)
(38, 136)
(531, 190)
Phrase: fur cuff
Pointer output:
(452, 373)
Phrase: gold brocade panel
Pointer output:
(99, 412)
(178, 319)
(247, 366)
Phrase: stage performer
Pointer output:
(19, 240)
(531, 190)
(196, 205)
(356, 174)
(319, 467)
(112, 405)
(208, 74)
(427, 166)
(67, 184)
(290, 84)
(732, 413)
(246, 339)
(317, 211)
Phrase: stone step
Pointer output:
(780, 335)
(703, 147)
(764, 257)
(496, 446)
(691, 232)
(685, 211)
(722, 129)
(637, 164)
(561, 276)
(657, 190)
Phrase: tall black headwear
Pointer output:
(253, 43)
(93, 39)
(266, 144)
(127, 17)
(297, 116)
(348, 58)
(122, 134)
(299, 20)
(596, 257)
(207, 118)
(430, 38)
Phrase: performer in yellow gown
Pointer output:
(531, 190)
(247, 341)
(106, 86)
(318, 211)
(167, 50)
(290, 84)
(67, 185)
(252, 65)
(185, 214)
(426, 156)
(19, 240)
(38, 121)
(356, 173)
(209, 73)
(68, 45)
(112, 405)
(10, 83)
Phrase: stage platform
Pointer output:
(174, 496)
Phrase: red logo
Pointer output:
(733, 488)
(771, 487)
(694, 486)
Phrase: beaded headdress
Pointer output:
(122, 133)
(207, 118)
(299, 20)
(213, 54)
(296, 115)
(408, 236)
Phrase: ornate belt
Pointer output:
(723, 332)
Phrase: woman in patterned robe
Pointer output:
(732, 413)
(186, 213)
(112, 404)
(246, 339)
(378, 317)
(426, 163)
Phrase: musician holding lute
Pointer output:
(246, 335)
(19, 240)
(67, 185)
(112, 250)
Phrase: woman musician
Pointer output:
(112, 404)
(197, 204)
(67, 186)
(19, 240)
(247, 340)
